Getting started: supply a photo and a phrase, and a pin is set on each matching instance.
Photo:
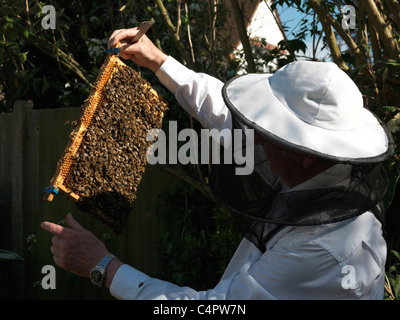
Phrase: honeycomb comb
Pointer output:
(105, 158)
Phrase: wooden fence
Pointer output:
(31, 143)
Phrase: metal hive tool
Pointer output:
(105, 158)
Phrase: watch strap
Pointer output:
(105, 261)
(101, 267)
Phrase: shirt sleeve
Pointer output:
(198, 94)
(131, 284)
(296, 266)
(280, 273)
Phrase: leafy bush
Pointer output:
(198, 239)
(392, 284)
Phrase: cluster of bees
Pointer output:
(109, 164)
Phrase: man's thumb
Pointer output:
(73, 224)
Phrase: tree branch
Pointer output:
(212, 16)
(189, 36)
(279, 24)
(65, 59)
(383, 29)
(332, 43)
(242, 30)
(323, 14)
(362, 31)
(394, 7)
(175, 37)
(376, 47)
(179, 172)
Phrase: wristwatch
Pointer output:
(97, 274)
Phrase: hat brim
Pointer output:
(251, 100)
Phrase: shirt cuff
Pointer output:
(173, 74)
(127, 282)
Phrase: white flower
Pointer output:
(106, 236)
(31, 238)
(195, 7)
(94, 19)
(97, 48)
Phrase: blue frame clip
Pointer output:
(51, 189)
(113, 50)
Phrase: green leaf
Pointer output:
(295, 44)
(84, 32)
(25, 32)
(389, 196)
(390, 108)
(385, 74)
(396, 287)
(22, 56)
(396, 254)
(391, 62)
(46, 86)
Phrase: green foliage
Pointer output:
(392, 284)
(29, 69)
(198, 238)
(53, 68)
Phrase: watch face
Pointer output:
(97, 277)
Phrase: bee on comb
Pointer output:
(105, 158)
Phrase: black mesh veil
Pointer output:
(260, 195)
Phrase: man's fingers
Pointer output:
(55, 251)
(125, 56)
(123, 45)
(56, 229)
(124, 34)
(52, 227)
(110, 40)
(56, 240)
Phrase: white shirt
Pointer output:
(344, 260)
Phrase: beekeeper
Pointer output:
(314, 194)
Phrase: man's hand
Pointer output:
(75, 249)
(143, 52)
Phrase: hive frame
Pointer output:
(89, 109)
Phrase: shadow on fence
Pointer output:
(31, 143)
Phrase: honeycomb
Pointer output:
(102, 166)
